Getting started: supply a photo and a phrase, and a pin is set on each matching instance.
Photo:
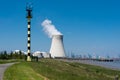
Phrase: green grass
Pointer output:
(58, 70)
(21, 71)
(8, 61)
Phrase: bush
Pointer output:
(12, 55)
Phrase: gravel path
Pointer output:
(3, 67)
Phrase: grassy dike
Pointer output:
(50, 69)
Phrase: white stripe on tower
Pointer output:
(29, 37)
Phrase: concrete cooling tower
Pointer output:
(57, 47)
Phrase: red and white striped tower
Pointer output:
(29, 16)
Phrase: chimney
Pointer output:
(57, 47)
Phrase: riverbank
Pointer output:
(111, 65)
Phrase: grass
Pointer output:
(21, 71)
(58, 70)
(8, 61)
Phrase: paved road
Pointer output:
(3, 68)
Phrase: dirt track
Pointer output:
(3, 67)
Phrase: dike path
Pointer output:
(3, 67)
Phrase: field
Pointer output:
(50, 69)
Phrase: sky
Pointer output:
(89, 26)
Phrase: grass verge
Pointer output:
(8, 61)
(58, 70)
(21, 71)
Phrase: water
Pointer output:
(112, 65)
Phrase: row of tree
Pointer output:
(12, 55)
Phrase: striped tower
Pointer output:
(29, 16)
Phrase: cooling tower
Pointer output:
(57, 47)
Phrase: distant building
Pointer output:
(18, 52)
(41, 54)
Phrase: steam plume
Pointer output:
(49, 28)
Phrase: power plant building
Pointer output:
(41, 54)
(57, 47)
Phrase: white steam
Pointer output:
(49, 28)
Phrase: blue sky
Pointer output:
(89, 26)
